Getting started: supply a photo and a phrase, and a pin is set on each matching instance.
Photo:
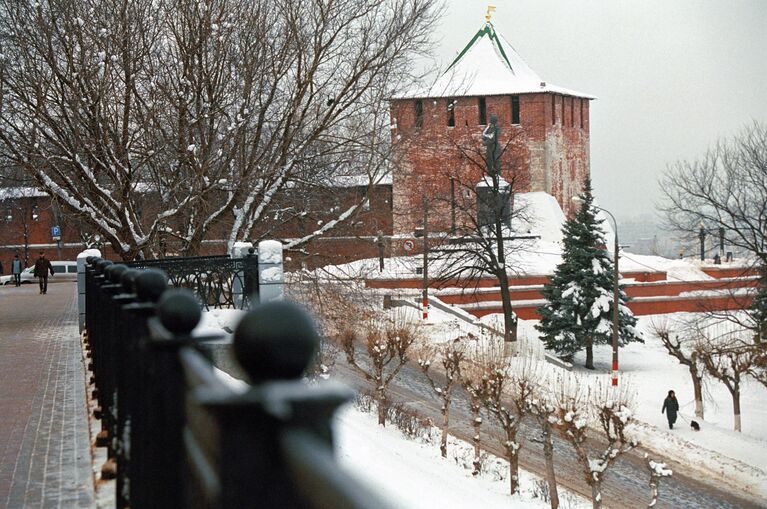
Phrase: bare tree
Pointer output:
(451, 357)
(387, 343)
(508, 391)
(190, 117)
(723, 189)
(726, 364)
(605, 409)
(543, 410)
(475, 383)
(482, 242)
(680, 344)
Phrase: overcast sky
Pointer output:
(671, 76)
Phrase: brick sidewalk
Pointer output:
(45, 454)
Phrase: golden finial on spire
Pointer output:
(489, 13)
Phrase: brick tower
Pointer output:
(437, 133)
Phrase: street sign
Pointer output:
(408, 245)
(56, 232)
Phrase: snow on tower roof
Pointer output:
(489, 65)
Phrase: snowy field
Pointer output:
(412, 474)
(716, 449)
(736, 458)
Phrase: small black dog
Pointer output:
(695, 426)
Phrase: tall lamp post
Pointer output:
(616, 289)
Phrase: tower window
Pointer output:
(451, 112)
(9, 214)
(582, 113)
(572, 112)
(35, 213)
(419, 113)
(482, 111)
(515, 109)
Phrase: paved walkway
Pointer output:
(45, 453)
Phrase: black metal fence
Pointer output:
(217, 281)
(178, 435)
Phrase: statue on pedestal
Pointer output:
(490, 138)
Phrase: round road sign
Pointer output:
(408, 245)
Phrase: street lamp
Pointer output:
(616, 290)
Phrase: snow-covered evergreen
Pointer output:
(578, 313)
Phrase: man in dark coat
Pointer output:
(671, 407)
(42, 267)
(16, 270)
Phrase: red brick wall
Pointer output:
(544, 156)
(645, 307)
(726, 272)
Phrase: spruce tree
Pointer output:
(578, 312)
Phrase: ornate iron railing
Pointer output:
(177, 435)
(217, 281)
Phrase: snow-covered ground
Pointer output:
(737, 458)
(717, 449)
(412, 474)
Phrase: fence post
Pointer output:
(178, 313)
(81, 261)
(270, 271)
(239, 250)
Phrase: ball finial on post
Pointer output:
(150, 284)
(101, 266)
(114, 272)
(275, 341)
(179, 311)
(128, 280)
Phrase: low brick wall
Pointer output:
(531, 280)
(641, 306)
(730, 272)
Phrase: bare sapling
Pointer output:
(450, 356)
(387, 343)
(679, 344)
(605, 408)
(728, 365)
(508, 390)
(544, 412)
(657, 472)
(475, 383)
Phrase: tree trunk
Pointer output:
(548, 454)
(476, 421)
(653, 491)
(514, 471)
(445, 422)
(509, 322)
(381, 400)
(596, 494)
(697, 387)
(736, 408)
(589, 352)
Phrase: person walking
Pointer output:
(16, 270)
(42, 267)
(671, 407)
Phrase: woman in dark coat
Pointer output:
(671, 407)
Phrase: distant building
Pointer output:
(437, 128)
